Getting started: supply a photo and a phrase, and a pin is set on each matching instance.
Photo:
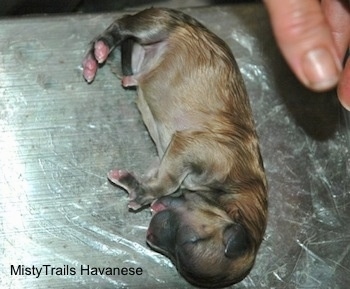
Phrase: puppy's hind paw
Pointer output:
(97, 54)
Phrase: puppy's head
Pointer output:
(208, 248)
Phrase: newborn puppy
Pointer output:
(193, 101)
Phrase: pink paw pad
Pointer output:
(129, 81)
(133, 205)
(116, 175)
(101, 51)
(89, 68)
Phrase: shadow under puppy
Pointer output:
(194, 103)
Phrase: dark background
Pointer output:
(23, 7)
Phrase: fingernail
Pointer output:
(321, 69)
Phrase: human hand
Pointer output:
(314, 37)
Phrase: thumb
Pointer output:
(306, 41)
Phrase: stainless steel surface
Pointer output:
(59, 137)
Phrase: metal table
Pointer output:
(59, 137)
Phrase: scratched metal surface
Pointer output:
(59, 137)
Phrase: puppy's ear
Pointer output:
(236, 241)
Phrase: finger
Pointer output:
(337, 13)
(338, 16)
(344, 87)
(306, 41)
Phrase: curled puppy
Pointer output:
(194, 103)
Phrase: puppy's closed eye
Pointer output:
(236, 241)
(187, 236)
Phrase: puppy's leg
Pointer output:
(173, 169)
(148, 28)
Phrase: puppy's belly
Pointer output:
(165, 122)
(158, 133)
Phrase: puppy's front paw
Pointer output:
(125, 180)
(128, 182)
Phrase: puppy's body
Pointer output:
(193, 101)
